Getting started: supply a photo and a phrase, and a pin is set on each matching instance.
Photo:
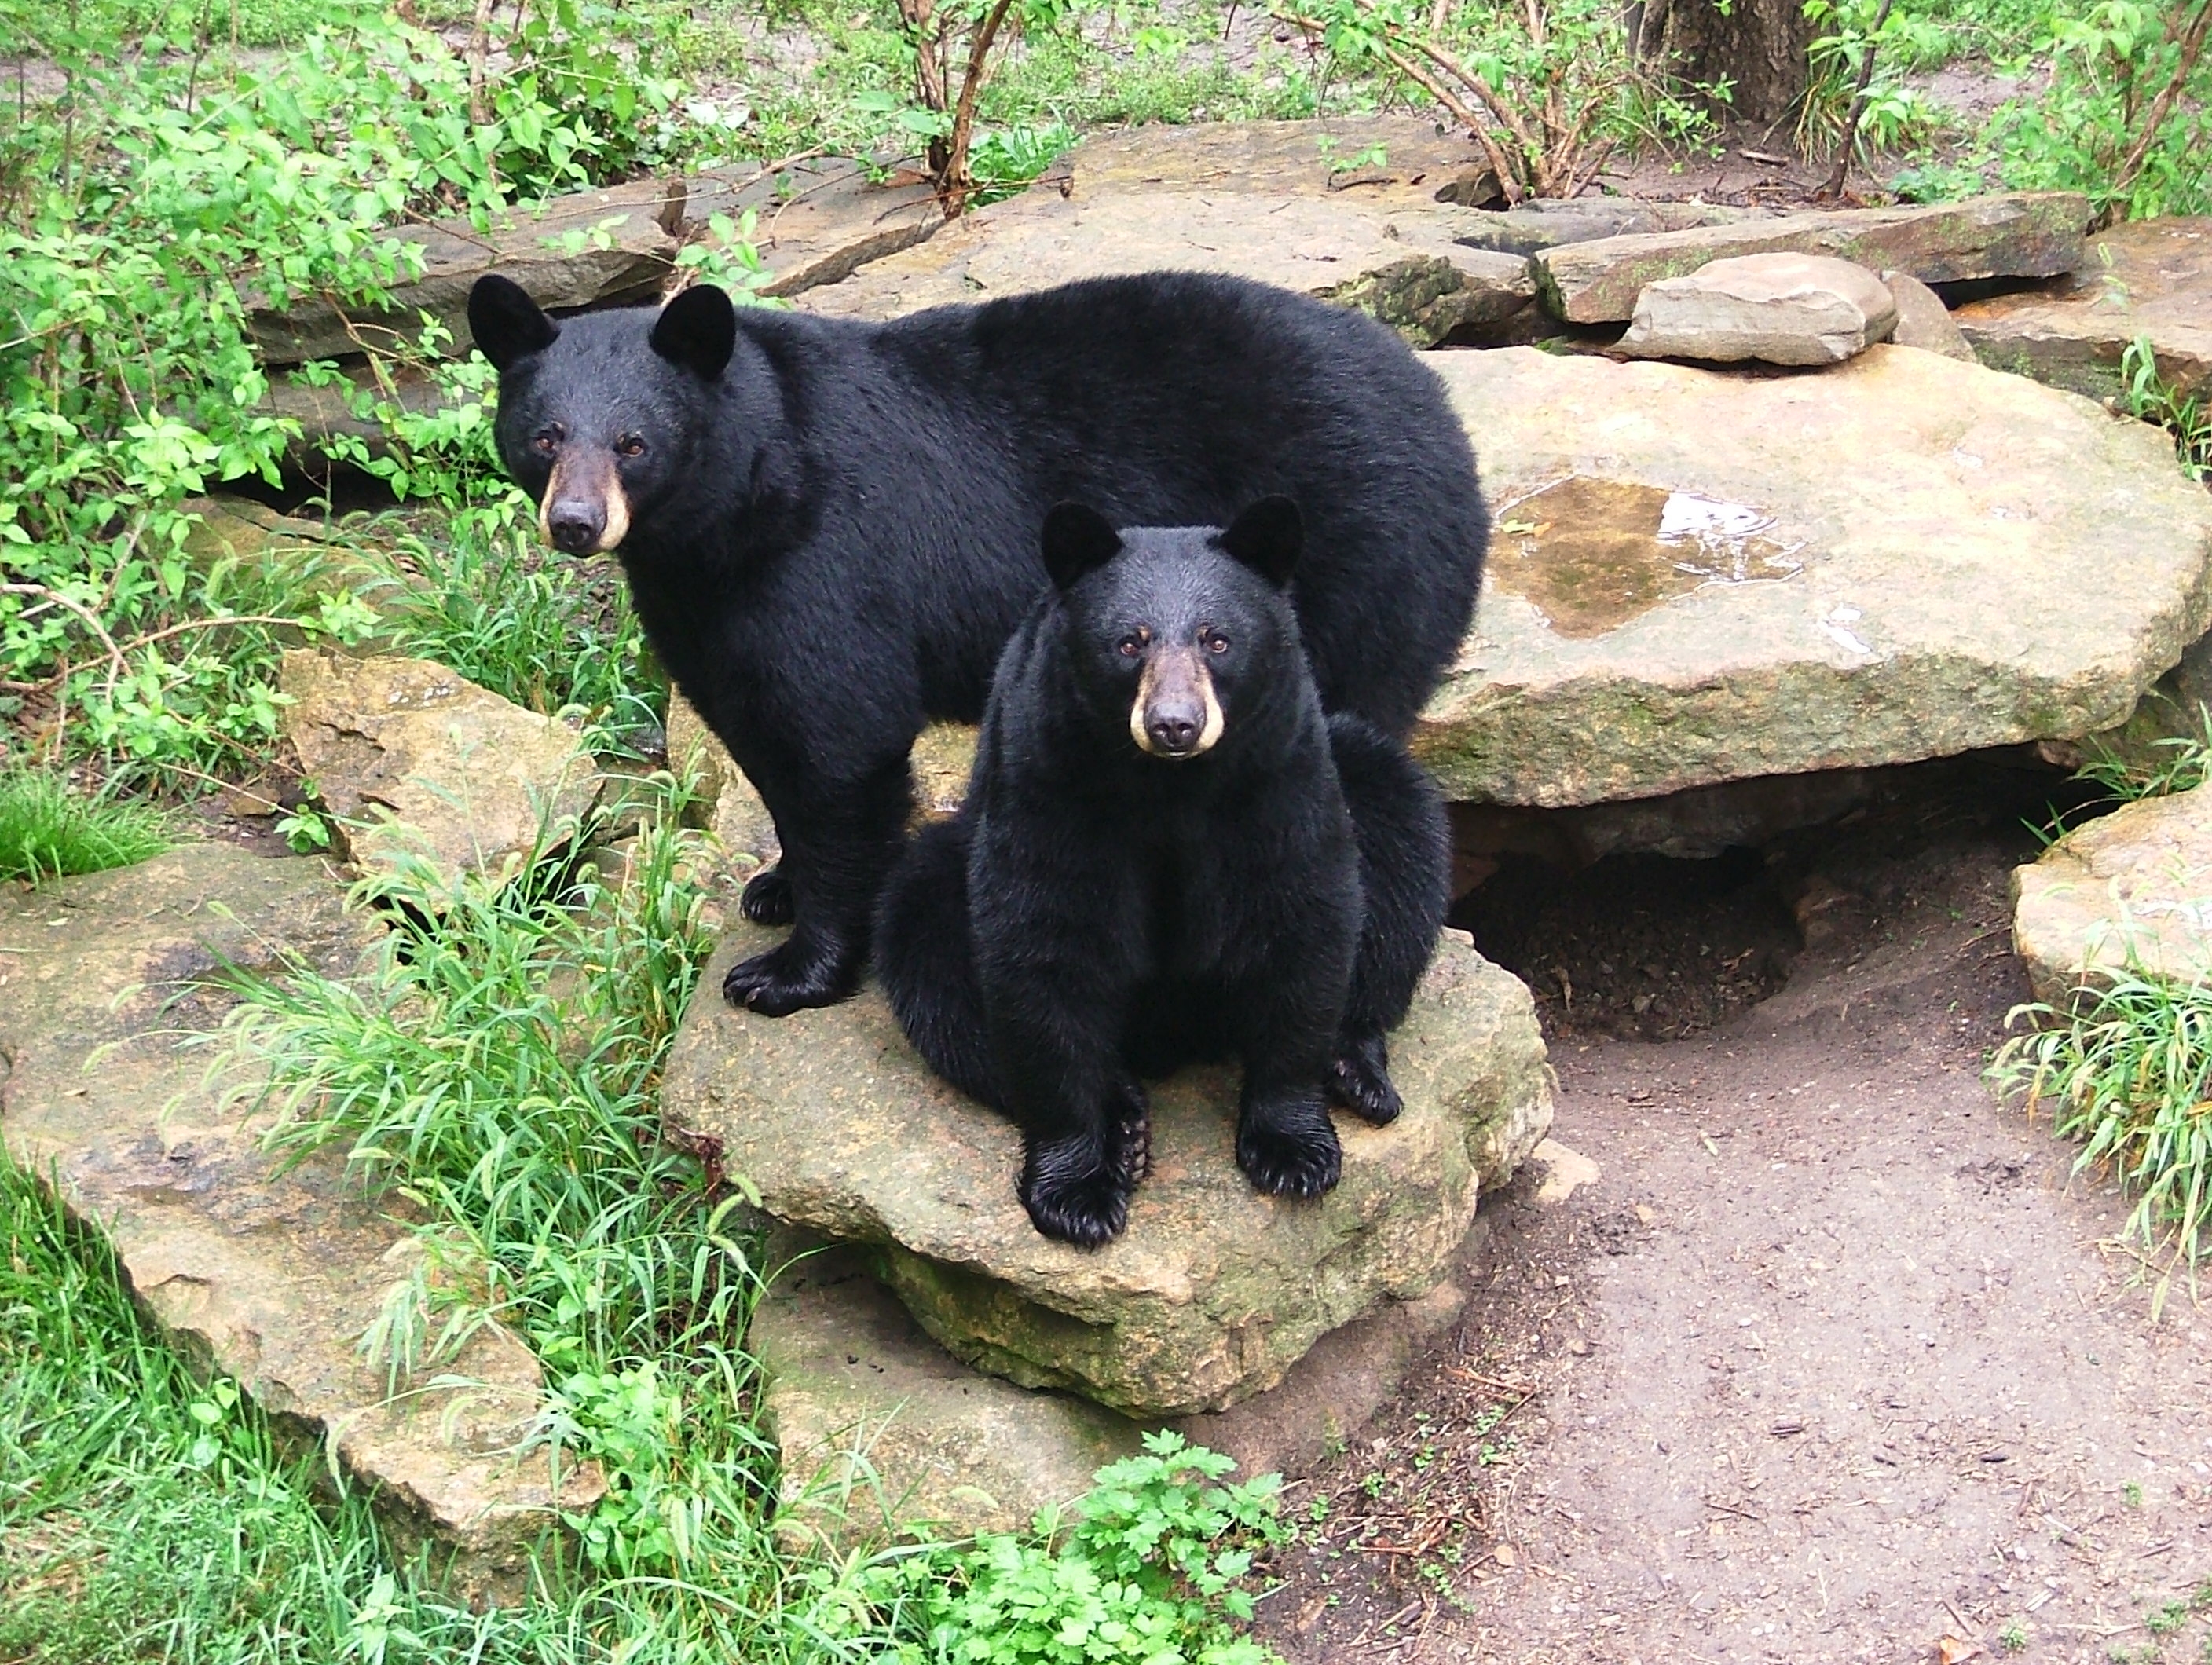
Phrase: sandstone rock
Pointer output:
(1542, 224)
(2130, 891)
(1399, 264)
(1781, 308)
(1215, 1291)
(1690, 584)
(2149, 278)
(1923, 319)
(1417, 167)
(879, 1430)
(817, 222)
(410, 756)
(2022, 234)
(268, 1279)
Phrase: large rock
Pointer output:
(268, 1278)
(1542, 223)
(1780, 308)
(2022, 234)
(1705, 575)
(414, 759)
(1400, 264)
(1215, 1291)
(2131, 891)
(1923, 319)
(816, 222)
(2149, 278)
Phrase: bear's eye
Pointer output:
(1214, 640)
(631, 445)
(1133, 643)
(545, 440)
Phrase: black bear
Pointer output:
(830, 528)
(1168, 851)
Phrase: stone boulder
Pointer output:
(1400, 265)
(267, 1276)
(1780, 308)
(1215, 1291)
(1417, 166)
(2149, 277)
(2131, 891)
(1542, 223)
(1702, 576)
(816, 221)
(1923, 319)
(410, 758)
(2021, 234)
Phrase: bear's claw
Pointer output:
(1360, 1079)
(1291, 1155)
(767, 899)
(781, 981)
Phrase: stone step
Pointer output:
(2149, 278)
(2018, 234)
(269, 1277)
(1705, 575)
(1215, 1291)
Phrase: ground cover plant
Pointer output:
(48, 831)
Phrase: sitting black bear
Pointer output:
(1167, 852)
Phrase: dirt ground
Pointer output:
(1829, 1361)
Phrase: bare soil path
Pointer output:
(1829, 1361)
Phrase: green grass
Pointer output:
(2128, 1074)
(48, 831)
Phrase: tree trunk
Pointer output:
(1760, 46)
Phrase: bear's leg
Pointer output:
(925, 961)
(840, 838)
(1284, 1016)
(1405, 878)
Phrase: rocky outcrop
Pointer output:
(413, 759)
(1802, 309)
(816, 222)
(268, 1277)
(1390, 162)
(1215, 1291)
(1701, 576)
(2022, 234)
(2130, 891)
(2149, 277)
(1400, 265)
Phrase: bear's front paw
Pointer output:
(1360, 1079)
(1077, 1191)
(766, 899)
(1290, 1149)
(788, 979)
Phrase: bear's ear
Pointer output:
(508, 325)
(1267, 537)
(1077, 540)
(697, 332)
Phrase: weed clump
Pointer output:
(47, 832)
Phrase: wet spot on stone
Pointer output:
(1590, 554)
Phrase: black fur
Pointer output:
(1096, 915)
(833, 533)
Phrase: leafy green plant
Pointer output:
(2128, 1072)
(47, 831)
(1891, 115)
(2149, 396)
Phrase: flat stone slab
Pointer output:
(1399, 264)
(2149, 278)
(2131, 891)
(816, 222)
(414, 759)
(1780, 308)
(1702, 576)
(880, 1431)
(1214, 1290)
(1542, 224)
(2018, 234)
(268, 1279)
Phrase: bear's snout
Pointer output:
(583, 511)
(574, 527)
(1176, 713)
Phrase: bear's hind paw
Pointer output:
(1358, 1079)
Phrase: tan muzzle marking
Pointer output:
(613, 502)
(1163, 672)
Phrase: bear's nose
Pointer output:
(575, 527)
(1172, 732)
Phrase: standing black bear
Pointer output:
(830, 528)
(1167, 852)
